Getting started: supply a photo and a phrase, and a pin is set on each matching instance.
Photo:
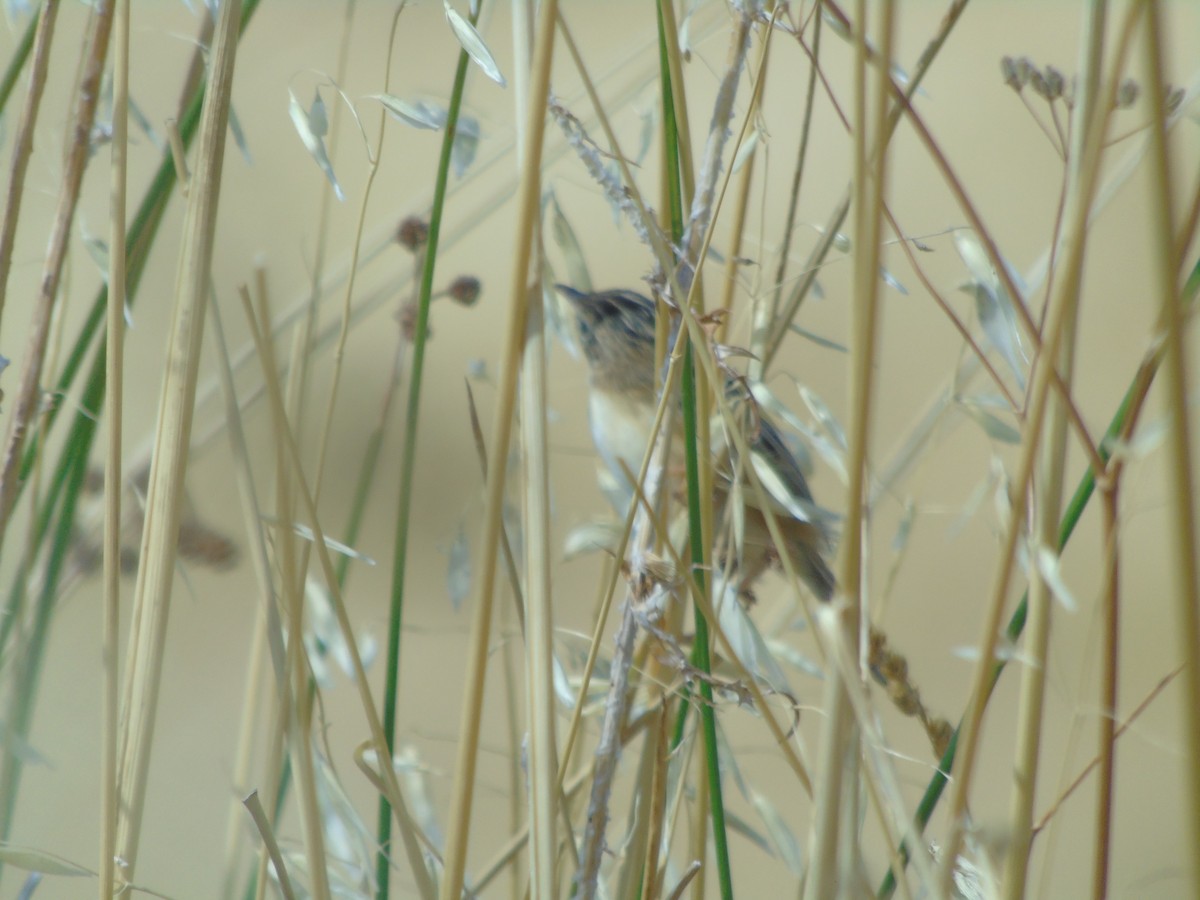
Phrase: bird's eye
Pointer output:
(587, 338)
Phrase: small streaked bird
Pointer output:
(616, 336)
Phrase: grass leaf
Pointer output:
(33, 860)
(470, 40)
(311, 125)
(418, 115)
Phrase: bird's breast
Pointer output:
(620, 428)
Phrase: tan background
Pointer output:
(269, 211)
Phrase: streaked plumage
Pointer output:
(616, 335)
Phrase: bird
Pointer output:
(616, 337)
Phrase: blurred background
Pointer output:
(929, 588)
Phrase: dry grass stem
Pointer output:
(766, 314)
(388, 781)
(1062, 305)
(1181, 480)
(1047, 510)
(648, 717)
(298, 376)
(840, 743)
(29, 392)
(544, 794)
(291, 595)
(539, 611)
(152, 594)
(263, 823)
(779, 327)
(528, 194)
(114, 377)
(23, 144)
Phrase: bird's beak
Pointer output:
(569, 293)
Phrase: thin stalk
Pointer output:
(682, 142)
(17, 61)
(78, 442)
(527, 212)
(698, 833)
(297, 391)
(408, 455)
(700, 649)
(733, 261)
(28, 395)
(742, 451)
(658, 787)
(949, 313)
(1110, 665)
(374, 444)
(291, 596)
(23, 144)
(156, 571)
(112, 461)
(1032, 329)
(1049, 489)
(672, 174)
(768, 313)
(637, 823)
(252, 714)
(1180, 479)
(1122, 424)
(779, 327)
(268, 631)
(1062, 305)
(386, 779)
(840, 741)
(699, 548)
(298, 373)
(1055, 807)
(1190, 221)
(539, 614)
(516, 781)
(1046, 512)
(543, 796)
(142, 232)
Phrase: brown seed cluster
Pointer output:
(408, 323)
(1050, 84)
(413, 234)
(464, 290)
(892, 668)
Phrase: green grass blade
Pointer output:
(21, 53)
(409, 453)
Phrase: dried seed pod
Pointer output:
(465, 290)
(407, 317)
(1054, 83)
(940, 732)
(1025, 69)
(1008, 71)
(413, 234)
(1038, 82)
